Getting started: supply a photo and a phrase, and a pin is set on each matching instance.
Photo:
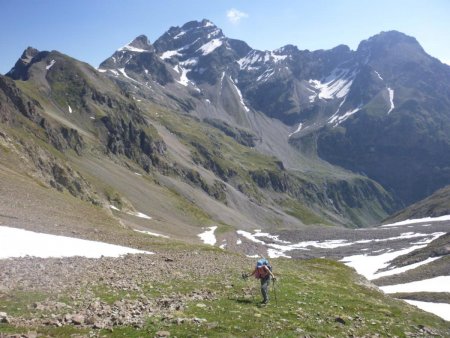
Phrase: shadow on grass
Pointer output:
(244, 301)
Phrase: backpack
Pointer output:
(262, 262)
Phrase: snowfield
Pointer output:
(208, 236)
(20, 243)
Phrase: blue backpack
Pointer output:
(262, 262)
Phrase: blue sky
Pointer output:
(91, 30)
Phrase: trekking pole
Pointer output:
(274, 291)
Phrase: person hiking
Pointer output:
(263, 271)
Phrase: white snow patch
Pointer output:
(115, 72)
(184, 81)
(170, 53)
(249, 236)
(405, 268)
(210, 46)
(223, 245)
(70, 109)
(273, 253)
(272, 237)
(378, 74)
(266, 75)
(138, 214)
(250, 59)
(20, 243)
(50, 65)
(122, 70)
(138, 174)
(419, 220)
(336, 85)
(102, 70)
(277, 58)
(179, 35)
(439, 309)
(241, 99)
(436, 284)
(239, 241)
(369, 265)
(391, 99)
(208, 236)
(189, 62)
(132, 49)
(299, 128)
(92, 117)
(151, 233)
(339, 119)
(114, 207)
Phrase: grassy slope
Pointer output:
(311, 295)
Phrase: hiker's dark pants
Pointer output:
(265, 282)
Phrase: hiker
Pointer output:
(263, 271)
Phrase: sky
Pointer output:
(91, 30)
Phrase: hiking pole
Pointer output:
(274, 291)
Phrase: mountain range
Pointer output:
(199, 129)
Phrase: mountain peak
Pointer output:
(389, 39)
(28, 54)
(198, 24)
(139, 44)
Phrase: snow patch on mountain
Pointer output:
(241, 99)
(210, 46)
(336, 85)
(20, 243)
(439, 309)
(130, 48)
(50, 65)
(299, 128)
(138, 214)
(151, 233)
(183, 77)
(379, 76)
(255, 56)
(208, 236)
(266, 75)
(169, 54)
(391, 99)
(419, 220)
(368, 265)
(436, 284)
(339, 119)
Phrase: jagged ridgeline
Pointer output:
(223, 133)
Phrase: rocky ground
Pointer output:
(72, 286)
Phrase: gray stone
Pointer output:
(78, 319)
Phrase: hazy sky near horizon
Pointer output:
(91, 30)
